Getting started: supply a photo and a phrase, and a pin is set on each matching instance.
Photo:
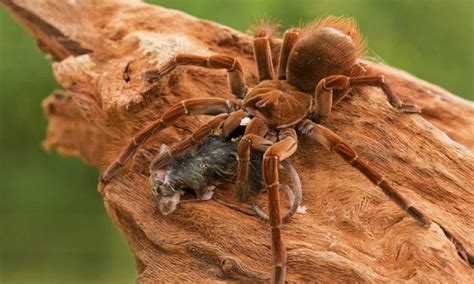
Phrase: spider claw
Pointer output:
(152, 75)
(408, 108)
(418, 216)
(103, 180)
(110, 172)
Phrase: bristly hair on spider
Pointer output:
(266, 24)
(318, 67)
(346, 25)
(332, 37)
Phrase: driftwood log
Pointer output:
(351, 231)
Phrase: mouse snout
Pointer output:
(168, 203)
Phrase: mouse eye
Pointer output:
(167, 191)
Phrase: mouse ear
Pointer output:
(160, 175)
(164, 157)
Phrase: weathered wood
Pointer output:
(351, 232)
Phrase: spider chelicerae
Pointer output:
(318, 66)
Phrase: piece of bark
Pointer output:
(351, 231)
(76, 135)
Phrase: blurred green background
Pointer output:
(53, 228)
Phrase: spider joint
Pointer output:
(380, 181)
(351, 162)
(185, 108)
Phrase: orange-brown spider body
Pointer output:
(280, 104)
(318, 67)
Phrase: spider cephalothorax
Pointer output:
(318, 67)
(278, 103)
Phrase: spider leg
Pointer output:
(289, 39)
(357, 69)
(295, 198)
(392, 97)
(204, 106)
(182, 146)
(323, 97)
(263, 54)
(234, 69)
(227, 123)
(332, 142)
(232, 122)
(253, 139)
(276, 153)
(324, 92)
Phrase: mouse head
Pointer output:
(168, 198)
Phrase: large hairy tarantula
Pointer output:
(318, 66)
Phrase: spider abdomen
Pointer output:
(278, 103)
(328, 47)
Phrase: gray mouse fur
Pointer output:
(211, 163)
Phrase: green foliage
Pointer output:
(53, 225)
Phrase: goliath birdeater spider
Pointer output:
(318, 67)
